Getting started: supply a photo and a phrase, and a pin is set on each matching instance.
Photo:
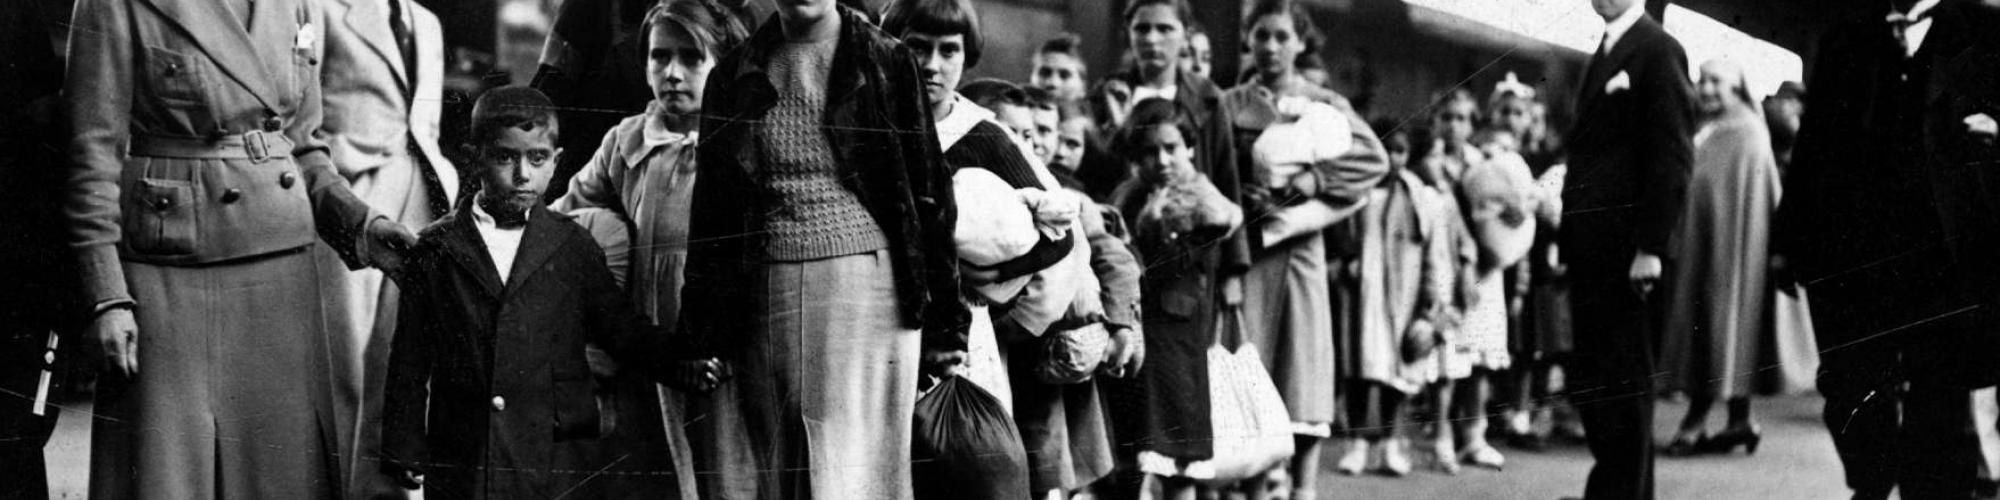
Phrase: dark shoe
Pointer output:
(1727, 440)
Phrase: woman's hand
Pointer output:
(1127, 353)
(117, 336)
(943, 363)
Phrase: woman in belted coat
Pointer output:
(194, 193)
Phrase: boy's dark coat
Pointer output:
(501, 366)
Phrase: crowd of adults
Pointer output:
(850, 273)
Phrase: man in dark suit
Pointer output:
(32, 255)
(1890, 221)
(1630, 157)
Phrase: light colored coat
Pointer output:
(194, 183)
(370, 127)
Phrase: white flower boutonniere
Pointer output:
(1618, 83)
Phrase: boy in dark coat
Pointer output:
(499, 300)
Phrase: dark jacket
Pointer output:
(1630, 152)
(1201, 105)
(886, 146)
(500, 366)
(1887, 194)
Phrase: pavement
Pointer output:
(1796, 461)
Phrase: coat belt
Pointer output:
(256, 146)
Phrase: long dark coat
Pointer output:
(501, 366)
(1165, 408)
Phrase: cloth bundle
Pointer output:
(1316, 132)
(1502, 196)
(1188, 209)
(965, 447)
(994, 226)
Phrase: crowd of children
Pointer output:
(1109, 239)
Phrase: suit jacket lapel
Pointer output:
(1945, 46)
(367, 19)
(223, 38)
(1602, 70)
(461, 240)
(542, 238)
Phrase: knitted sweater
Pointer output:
(812, 216)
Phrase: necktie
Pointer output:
(406, 42)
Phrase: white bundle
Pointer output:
(994, 226)
(1307, 132)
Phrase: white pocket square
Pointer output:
(1618, 83)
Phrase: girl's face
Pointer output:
(1200, 56)
(1161, 154)
(1060, 74)
(941, 61)
(1516, 115)
(1070, 143)
(1453, 121)
(1398, 148)
(677, 69)
(1157, 37)
(1275, 45)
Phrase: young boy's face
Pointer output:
(516, 167)
(1021, 121)
(1047, 120)
(676, 69)
(1059, 73)
(1070, 143)
(1162, 155)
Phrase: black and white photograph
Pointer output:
(999, 249)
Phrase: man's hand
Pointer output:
(1127, 353)
(1982, 128)
(387, 244)
(943, 364)
(1645, 273)
(117, 336)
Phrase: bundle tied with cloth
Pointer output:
(1306, 133)
(1501, 197)
(998, 223)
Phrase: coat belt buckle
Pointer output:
(256, 147)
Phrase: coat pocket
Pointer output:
(160, 218)
(174, 77)
(576, 412)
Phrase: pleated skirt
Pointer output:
(229, 401)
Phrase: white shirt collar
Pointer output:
(1914, 33)
(1616, 28)
(1141, 93)
(502, 244)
